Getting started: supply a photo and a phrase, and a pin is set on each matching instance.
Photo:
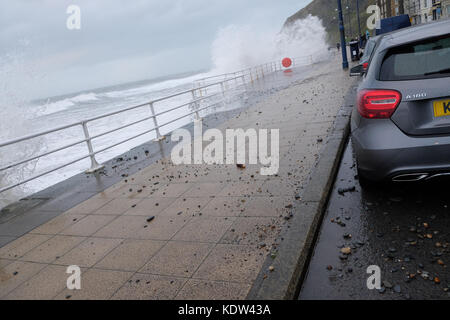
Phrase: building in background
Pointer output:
(413, 9)
(436, 9)
(419, 11)
(391, 8)
(446, 8)
(385, 8)
(423, 11)
(397, 7)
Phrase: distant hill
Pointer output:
(327, 11)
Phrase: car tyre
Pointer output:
(364, 182)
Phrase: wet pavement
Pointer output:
(181, 231)
(404, 229)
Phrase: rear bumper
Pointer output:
(383, 151)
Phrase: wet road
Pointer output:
(403, 229)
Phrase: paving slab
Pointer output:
(87, 225)
(205, 229)
(226, 262)
(58, 224)
(150, 287)
(43, 286)
(188, 257)
(14, 274)
(150, 207)
(89, 252)
(130, 255)
(257, 231)
(19, 247)
(52, 249)
(90, 205)
(212, 290)
(96, 284)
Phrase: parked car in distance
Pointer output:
(363, 65)
(401, 121)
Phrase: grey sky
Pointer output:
(119, 40)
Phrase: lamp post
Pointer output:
(349, 20)
(342, 31)
(359, 19)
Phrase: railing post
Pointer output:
(223, 90)
(94, 164)
(197, 117)
(155, 122)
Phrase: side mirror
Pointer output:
(357, 71)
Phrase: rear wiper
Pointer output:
(437, 72)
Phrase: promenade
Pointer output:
(184, 231)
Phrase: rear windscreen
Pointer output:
(419, 60)
(368, 50)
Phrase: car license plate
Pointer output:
(441, 108)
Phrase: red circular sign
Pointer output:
(286, 62)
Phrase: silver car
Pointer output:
(401, 121)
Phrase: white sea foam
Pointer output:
(154, 86)
(58, 106)
(66, 103)
(84, 97)
(239, 47)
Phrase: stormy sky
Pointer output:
(119, 40)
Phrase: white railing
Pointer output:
(198, 94)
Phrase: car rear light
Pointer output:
(365, 66)
(378, 104)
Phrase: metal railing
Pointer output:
(198, 94)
